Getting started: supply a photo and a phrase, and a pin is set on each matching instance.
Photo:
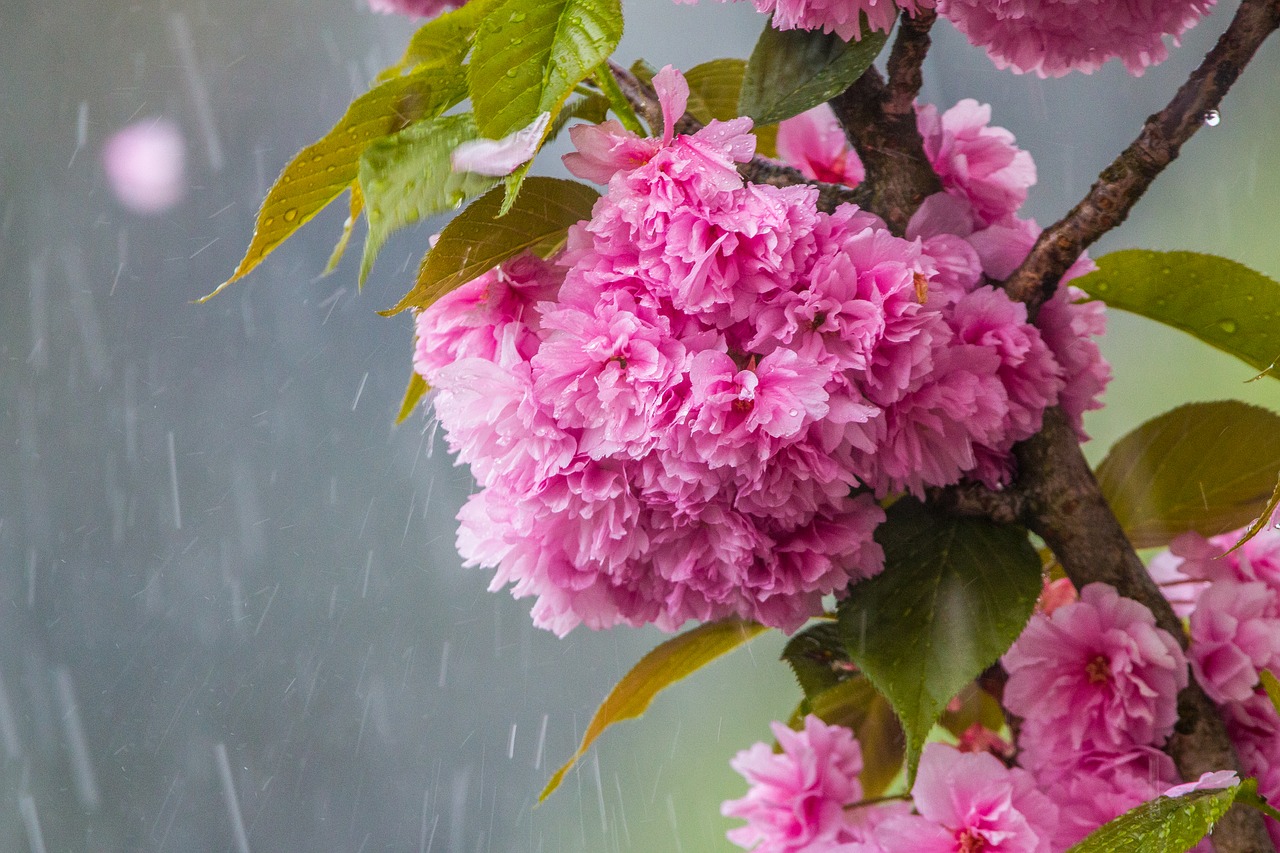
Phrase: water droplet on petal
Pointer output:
(795, 413)
(1212, 118)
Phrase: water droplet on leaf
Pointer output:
(517, 17)
(1228, 326)
(291, 214)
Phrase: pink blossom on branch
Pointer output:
(836, 16)
(1097, 674)
(1054, 37)
(414, 8)
(969, 801)
(797, 799)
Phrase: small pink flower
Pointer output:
(1210, 780)
(815, 144)
(970, 801)
(498, 157)
(838, 16)
(1235, 631)
(797, 799)
(146, 166)
(1054, 37)
(414, 8)
(1097, 674)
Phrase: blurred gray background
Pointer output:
(228, 579)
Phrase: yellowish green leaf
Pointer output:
(1207, 467)
(1223, 303)
(531, 54)
(444, 41)
(1272, 685)
(413, 395)
(320, 172)
(678, 657)
(357, 205)
(407, 177)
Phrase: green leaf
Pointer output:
(678, 657)
(531, 54)
(1163, 825)
(407, 177)
(617, 100)
(714, 89)
(1272, 685)
(795, 70)
(1247, 795)
(349, 225)
(1263, 519)
(818, 658)
(1207, 467)
(413, 395)
(976, 706)
(1221, 302)
(953, 596)
(857, 705)
(320, 172)
(476, 240)
(444, 41)
(593, 108)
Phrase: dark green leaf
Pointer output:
(793, 71)
(476, 240)
(1263, 519)
(678, 657)
(531, 54)
(407, 177)
(954, 594)
(321, 171)
(413, 395)
(1208, 467)
(1221, 302)
(818, 658)
(1163, 825)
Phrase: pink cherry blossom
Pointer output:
(797, 797)
(414, 8)
(1254, 727)
(838, 16)
(1094, 787)
(1054, 37)
(145, 164)
(1235, 631)
(970, 801)
(976, 160)
(498, 157)
(1097, 674)
(815, 144)
(1210, 780)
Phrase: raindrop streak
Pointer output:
(184, 45)
(542, 736)
(8, 728)
(229, 794)
(82, 131)
(359, 391)
(511, 743)
(31, 820)
(1212, 118)
(173, 483)
(31, 578)
(73, 730)
(266, 610)
(444, 664)
(368, 564)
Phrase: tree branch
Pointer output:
(1122, 183)
(879, 120)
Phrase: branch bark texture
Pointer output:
(1125, 181)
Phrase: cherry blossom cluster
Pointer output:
(1233, 600)
(1094, 683)
(806, 799)
(690, 412)
(1046, 37)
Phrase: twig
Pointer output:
(905, 61)
(1122, 183)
